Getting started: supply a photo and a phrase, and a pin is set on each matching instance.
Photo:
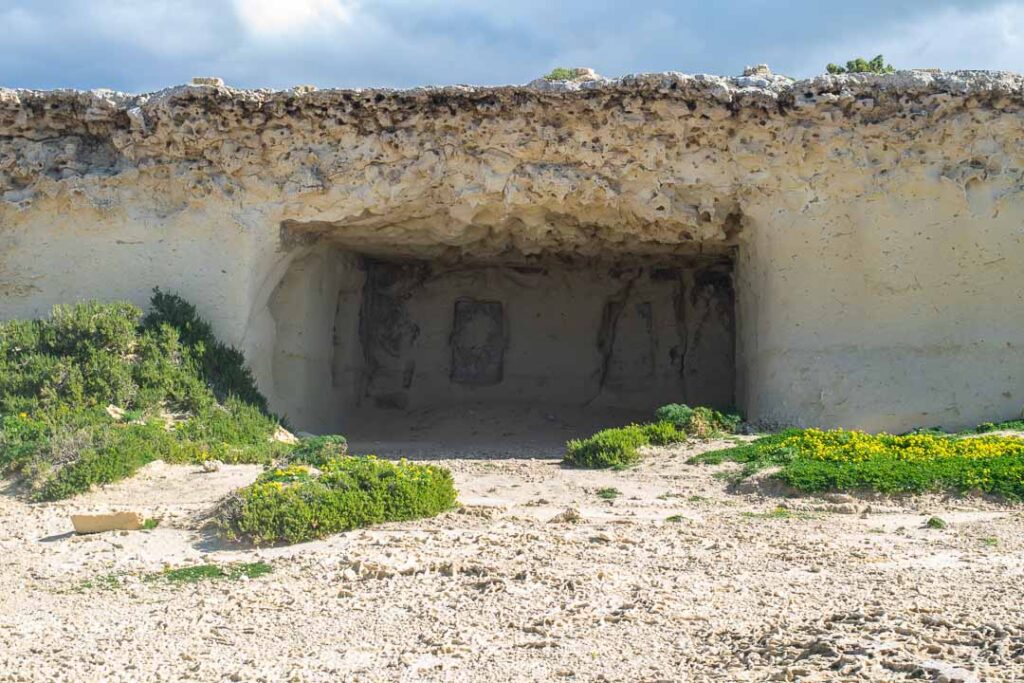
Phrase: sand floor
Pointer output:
(680, 578)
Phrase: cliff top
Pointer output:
(22, 109)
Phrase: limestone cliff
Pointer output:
(874, 221)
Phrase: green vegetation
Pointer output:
(317, 451)
(96, 391)
(699, 422)
(813, 460)
(990, 541)
(862, 66)
(105, 582)
(618, 447)
(936, 523)
(1008, 425)
(150, 524)
(561, 73)
(615, 448)
(293, 504)
(778, 512)
(210, 572)
(608, 493)
(674, 518)
(181, 575)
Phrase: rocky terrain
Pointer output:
(538, 576)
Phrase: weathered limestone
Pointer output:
(873, 222)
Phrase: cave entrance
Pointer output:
(490, 357)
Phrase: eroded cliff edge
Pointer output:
(658, 159)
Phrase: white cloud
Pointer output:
(167, 29)
(276, 18)
(951, 38)
(144, 45)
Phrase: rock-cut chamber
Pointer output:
(375, 340)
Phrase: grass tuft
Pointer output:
(778, 512)
(209, 572)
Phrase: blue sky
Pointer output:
(141, 45)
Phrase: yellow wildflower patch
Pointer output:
(840, 445)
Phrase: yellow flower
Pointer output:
(840, 445)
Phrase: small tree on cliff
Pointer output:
(862, 66)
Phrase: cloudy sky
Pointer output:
(141, 45)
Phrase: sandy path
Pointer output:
(497, 592)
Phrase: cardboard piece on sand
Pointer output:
(94, 524)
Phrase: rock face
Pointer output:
(849, 242)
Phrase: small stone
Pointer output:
(567, 516)
(212, 466)
(282, 435)
(208, 80)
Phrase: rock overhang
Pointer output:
(651, 163)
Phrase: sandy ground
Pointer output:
(841, 589)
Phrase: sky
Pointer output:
(145, 45)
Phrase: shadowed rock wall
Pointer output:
(625, 336)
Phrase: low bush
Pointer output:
(615, 448)
(700, 422)
(663, 433)
(175, 392)
(560, 73)
(292, 504)
(813, 460)
(319, 450)
(618, 447)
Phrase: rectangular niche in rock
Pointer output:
(631, 361)
(478, 342)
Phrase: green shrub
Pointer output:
(223, 367)
(58, 375)
(813, 460)
(700, 422)
(618, 447)
(560, 73)
(615, 448)
(861, 65)
(663, 433)
(318, 450)
(288, 505)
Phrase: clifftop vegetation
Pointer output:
(859, 65)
